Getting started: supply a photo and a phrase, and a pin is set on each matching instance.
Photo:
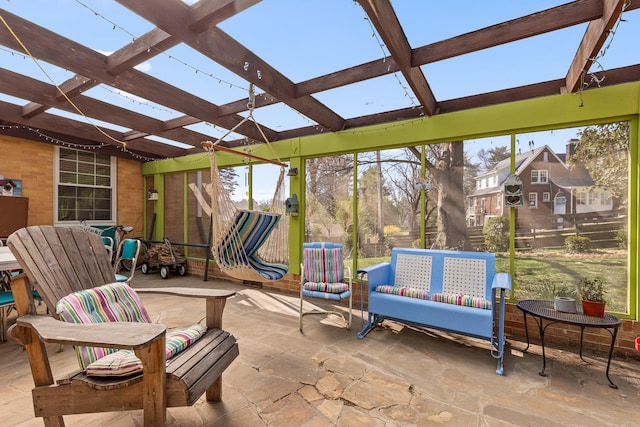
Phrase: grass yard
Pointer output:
(544, 274)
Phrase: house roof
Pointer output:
(410, 50)
(575, 177)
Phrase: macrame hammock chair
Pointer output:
(248, 244)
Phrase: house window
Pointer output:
(533, 200)
(546, 196)
(581, 198)
(540, 176)
(84, 185)
(545, 157)
(499, 201)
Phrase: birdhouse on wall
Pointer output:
(291, 205)
(513, 191)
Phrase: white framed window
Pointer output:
(84, 186)
(533, 200)
(539, 176)
(545, 157)
(546, 196)
(499, 201)
(582, 198)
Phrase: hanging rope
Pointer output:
(248, 244)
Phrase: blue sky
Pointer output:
(329, 35)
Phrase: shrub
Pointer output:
(496, 234)
(391, 229)
(577, 244)
(621, 237)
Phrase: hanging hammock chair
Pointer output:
(248, 244)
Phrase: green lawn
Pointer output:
(537, 273)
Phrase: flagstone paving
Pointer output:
(396, 376)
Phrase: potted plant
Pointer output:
(591, 291)
(560, 293)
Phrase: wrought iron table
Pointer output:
(541, 310)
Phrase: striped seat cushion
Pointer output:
(404, 291)
(458, 299)
(123, 363)
(332, 288)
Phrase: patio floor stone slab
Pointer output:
(326, 376)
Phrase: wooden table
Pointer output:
(7, 263)
(541, 310)
(7, 260)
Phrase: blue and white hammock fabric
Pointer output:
(248, 244)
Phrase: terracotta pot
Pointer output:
(592, 308)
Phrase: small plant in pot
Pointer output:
(561, 294)
(591, 291)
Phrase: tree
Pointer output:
(490, 158)
(446, 167)
(604, 151)
(329, 196)
(228, 177)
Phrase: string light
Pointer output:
(78, 146)
(596, 60)
(134, 38)
(385, 55)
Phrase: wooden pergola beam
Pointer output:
(592, 41)
(384, 19)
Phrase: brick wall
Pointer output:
(33, 163)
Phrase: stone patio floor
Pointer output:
(326, 376)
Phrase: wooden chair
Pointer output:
(63, 260)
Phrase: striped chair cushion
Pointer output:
(115, 302)
(123, 363)
(332, 288)
(323, 265)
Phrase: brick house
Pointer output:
(553, 192)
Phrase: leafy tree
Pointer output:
(328, 197)
(604, 151)
(491, 157)
(229, 179)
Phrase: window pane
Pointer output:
(80, 198)
(581, 230)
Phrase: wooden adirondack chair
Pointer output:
(63, 260)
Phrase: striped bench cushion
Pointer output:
(405, 291)
(458, 299)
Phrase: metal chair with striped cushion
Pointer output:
(323, 276)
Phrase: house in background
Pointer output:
(554, 193)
